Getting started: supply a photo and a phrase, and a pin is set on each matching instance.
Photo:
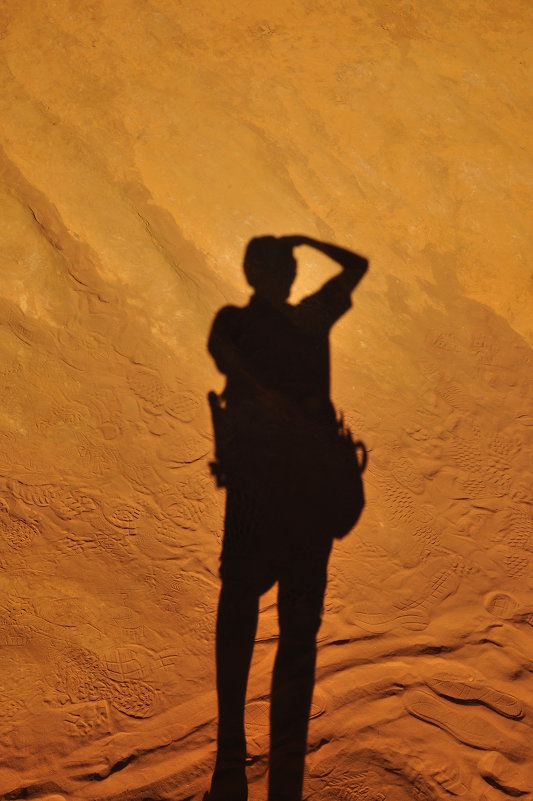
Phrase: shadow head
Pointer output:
(270, 267)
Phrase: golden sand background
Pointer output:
(142, 145)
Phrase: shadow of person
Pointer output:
(292, 475)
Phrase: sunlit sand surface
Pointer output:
(142, 146)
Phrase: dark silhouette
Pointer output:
(293, 479)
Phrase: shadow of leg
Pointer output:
(300, 601)
(292, 691)
(236, 627)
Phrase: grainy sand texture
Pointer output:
(143, 144)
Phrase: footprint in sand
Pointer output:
(475, 692)
(448, 776)
(415, 615)
(506, 607)
(257, 712)
(134, 698)
(506, 776)
(470, 729)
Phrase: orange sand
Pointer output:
(142, 145)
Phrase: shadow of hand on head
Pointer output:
(292, 474)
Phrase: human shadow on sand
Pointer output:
(292, 474)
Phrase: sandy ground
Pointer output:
(142, 145)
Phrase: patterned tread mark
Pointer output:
(126, 663)
(82, 542)
(167, 658)
(68, 505)
(400, 503)
(504, 447)
(10, 708)
(343, 778)
(447, 341)
(167, 533)
(78, 674)
(454, 395)
(113, 540)
(483, 348)
(258, 712)
(465, 455)
(474, 691)
(407, 475)
(413, 618)
(143, 477)
(13, 634)
(32, 494)
(188, 593)
(444, 583)
(186, 514)
(440, 585)
(195, 487)
(502, 605)
(515, 566)
(150, 389)
(130, 623)
(482, 488)
(171, 602)
(498, 476)
(357, 792)
(470, 729)
(124, 515)
(7, 443)
(17, 606)
(448, 776)
(522, 524)
(97, 459)
(203, 628)
(103, 405)
(66, 612)
(518, 540)
(89, 719)
(414, 614)
(134, 698)
(71, 415)
(427, 535)
(17, 532)
(188, 449)
(183, 406)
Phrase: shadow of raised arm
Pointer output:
(345, 258)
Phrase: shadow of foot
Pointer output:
(228, 785)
